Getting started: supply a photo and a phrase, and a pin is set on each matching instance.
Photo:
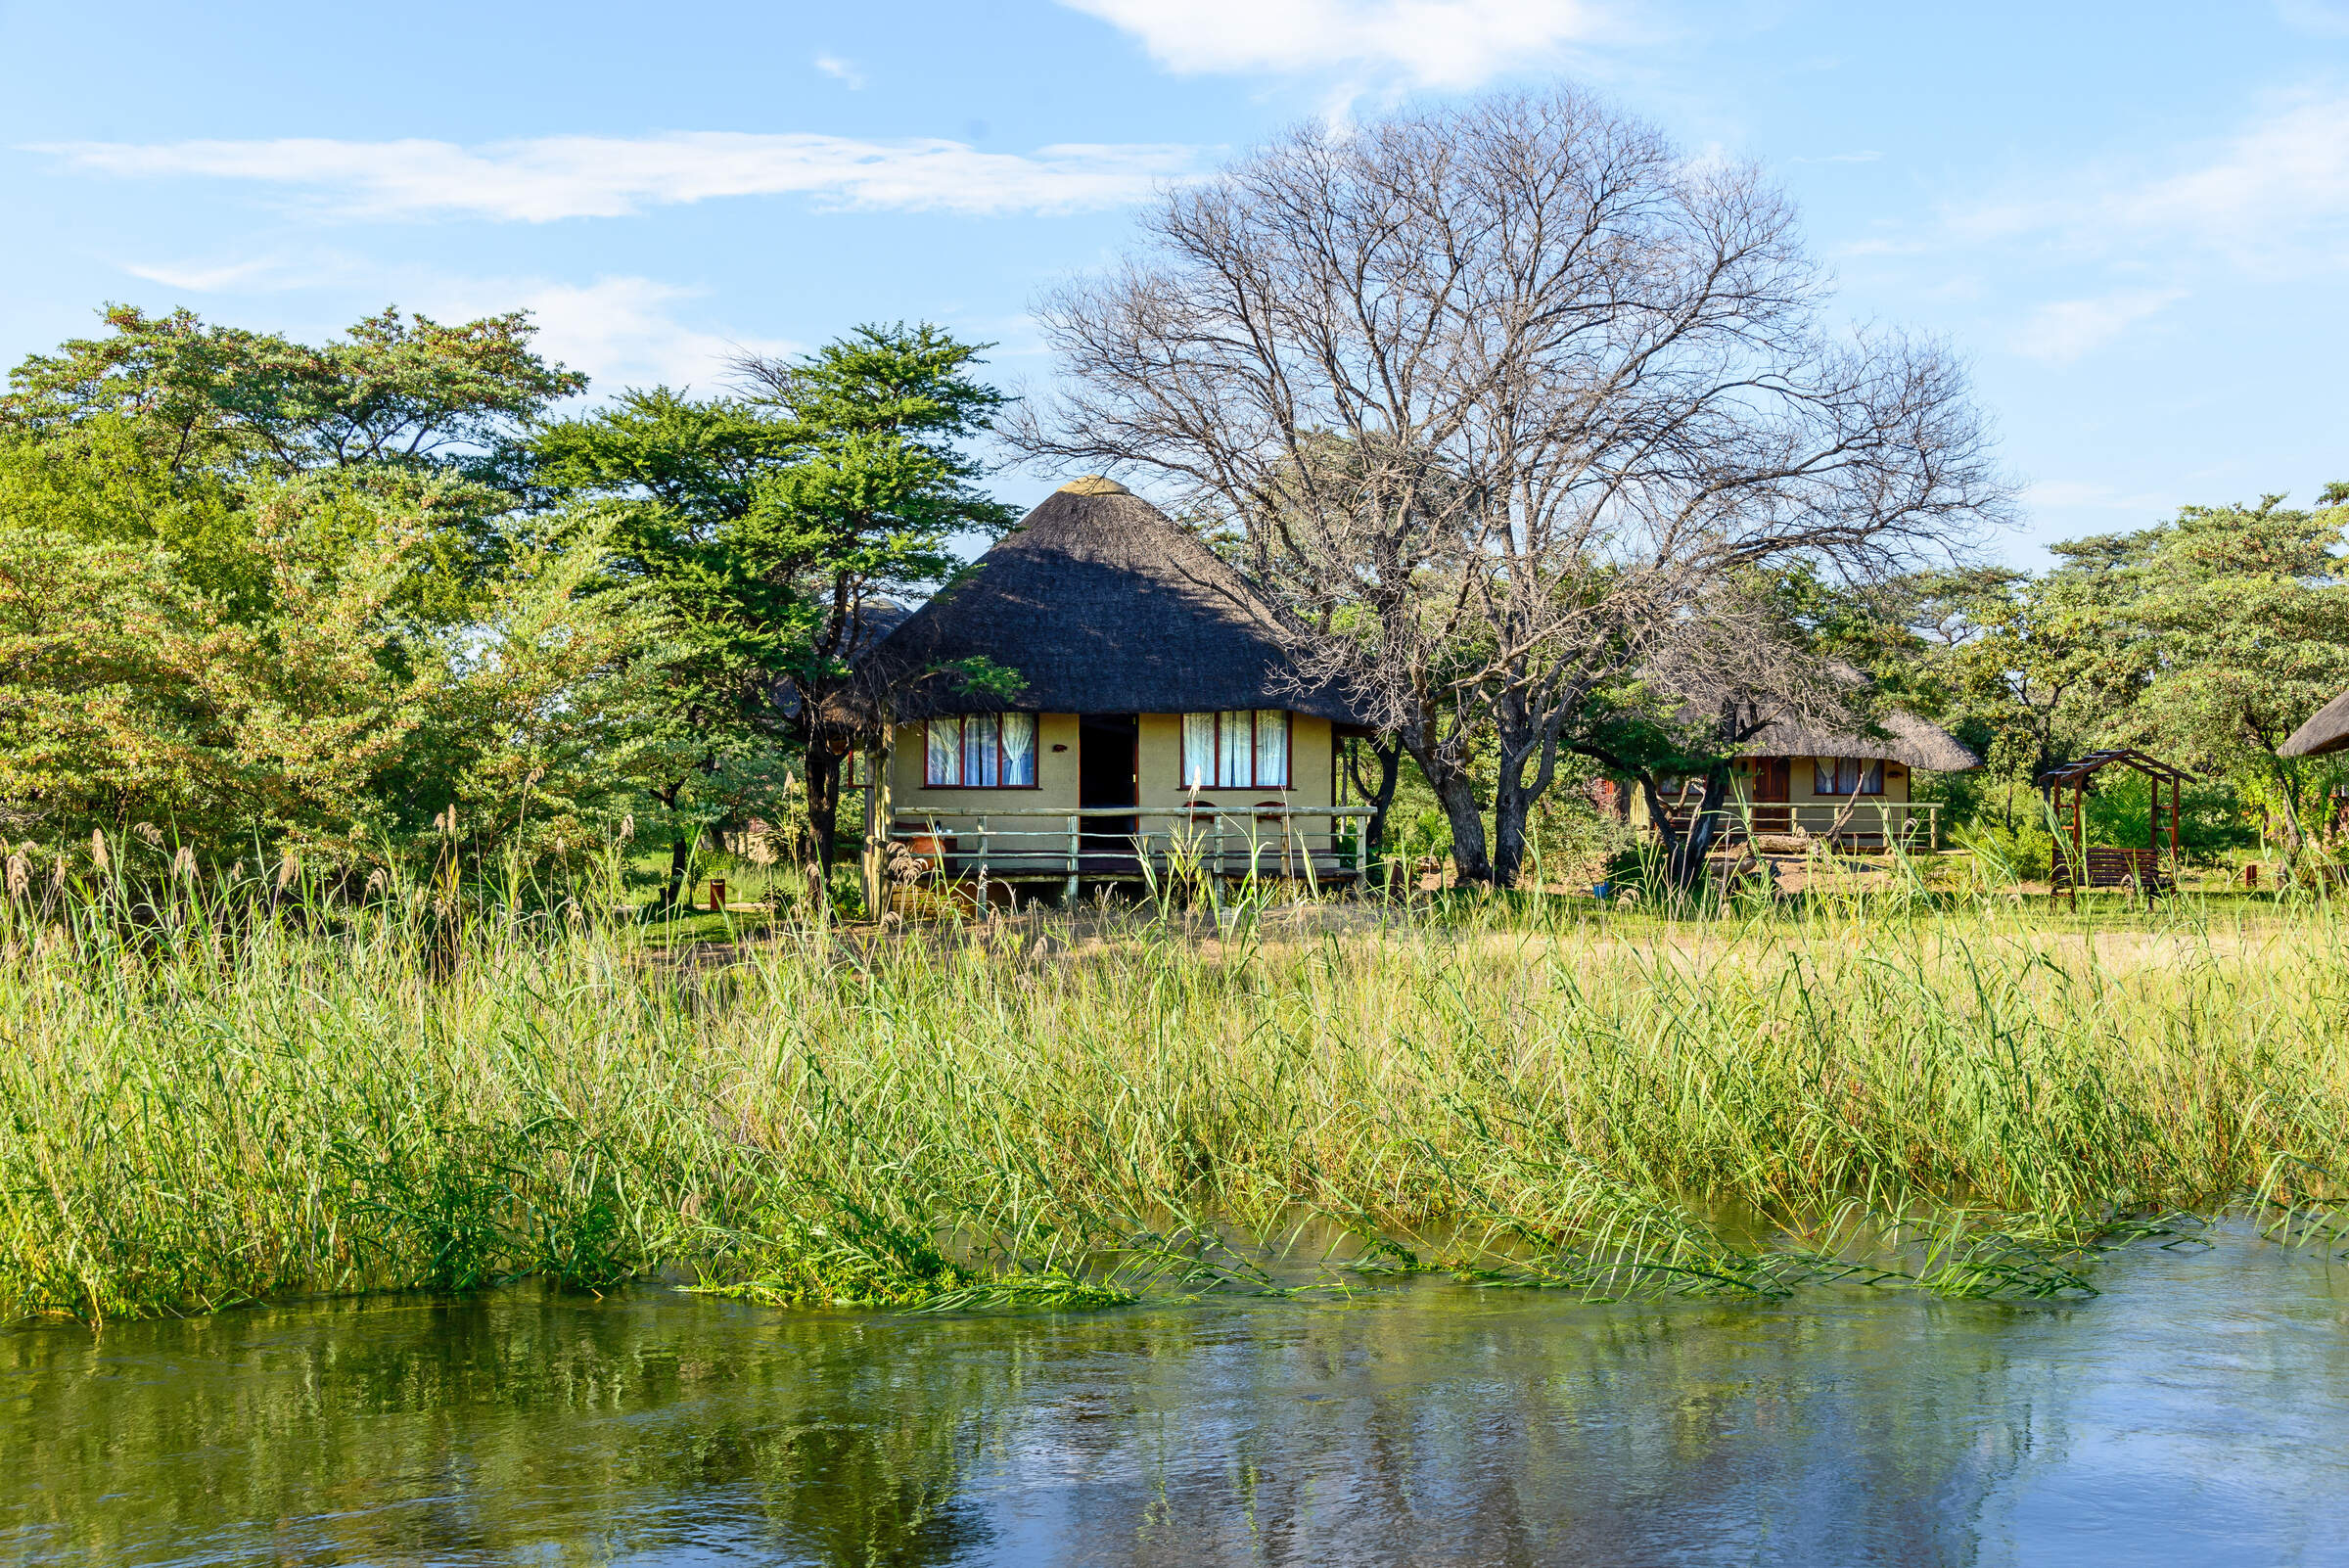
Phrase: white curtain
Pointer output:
(1019, 749)
(1842, 775)
(1272, 748)
(981, 762)
(1235, 748)
(1198, 751)
(944, 766)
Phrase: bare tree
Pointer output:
(1497, 391)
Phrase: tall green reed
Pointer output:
(430, 1087)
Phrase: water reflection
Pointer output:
(2198, 1413)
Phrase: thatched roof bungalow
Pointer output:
(1800, 778)
(1156, 698)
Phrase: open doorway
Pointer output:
(1109, 774)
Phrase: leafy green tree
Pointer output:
(2207, 638)
(424, 413)
(261, 596)
(773, 526)
(2029, 671)
(2244, 616)
(399, 389)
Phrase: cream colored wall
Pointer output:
(1800, 776)
(1160, 754)
(1162, 767)
(1055, 773)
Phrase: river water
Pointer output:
(2198, 1412)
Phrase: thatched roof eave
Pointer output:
(2326, 731)
(1907, 740)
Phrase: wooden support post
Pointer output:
(1076, 848)
(2079, 841)
(982, 863)
(879, 808)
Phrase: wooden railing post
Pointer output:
(879, 810)
(1076, 846)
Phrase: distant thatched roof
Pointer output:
(1104, 606)
(1908, 739)
(2326, 730)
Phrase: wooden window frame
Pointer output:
(958, 721)
(1866, 765)
(1288, 750)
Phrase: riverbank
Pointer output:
(1963, 1103)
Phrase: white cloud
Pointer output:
(2327, 18)
(198, 278)
(623, 331)
(602, 176)
(2061, 331)
(1430, 43)
(2272, 200)
(841, 70)
(2277, 195)
(2106, 247)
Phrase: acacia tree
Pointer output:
(775, 523)
(2241, 614)
(1497, 391)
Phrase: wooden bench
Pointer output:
(2108, 867)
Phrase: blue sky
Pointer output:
(2131, 219)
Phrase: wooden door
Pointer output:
(1772, 787)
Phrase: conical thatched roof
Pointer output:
(1104, 606)
(2326, 730)
(1908, 739)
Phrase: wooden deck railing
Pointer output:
(1127, 842)
(1908, 822)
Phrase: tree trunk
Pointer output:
(1685, 867)
(1512, 803)
(2294, 839)
(1514, 796)
(680, 852)
(1389, 753)
(1685, 849)
(1456, 793)
(823, 802)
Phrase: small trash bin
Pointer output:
(718, 894)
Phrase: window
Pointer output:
(1242, 749)
(981, 751)
(1843, 775)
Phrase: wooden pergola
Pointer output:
(2077, 865)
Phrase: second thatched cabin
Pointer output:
(1797, 779)
(1159, 719)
